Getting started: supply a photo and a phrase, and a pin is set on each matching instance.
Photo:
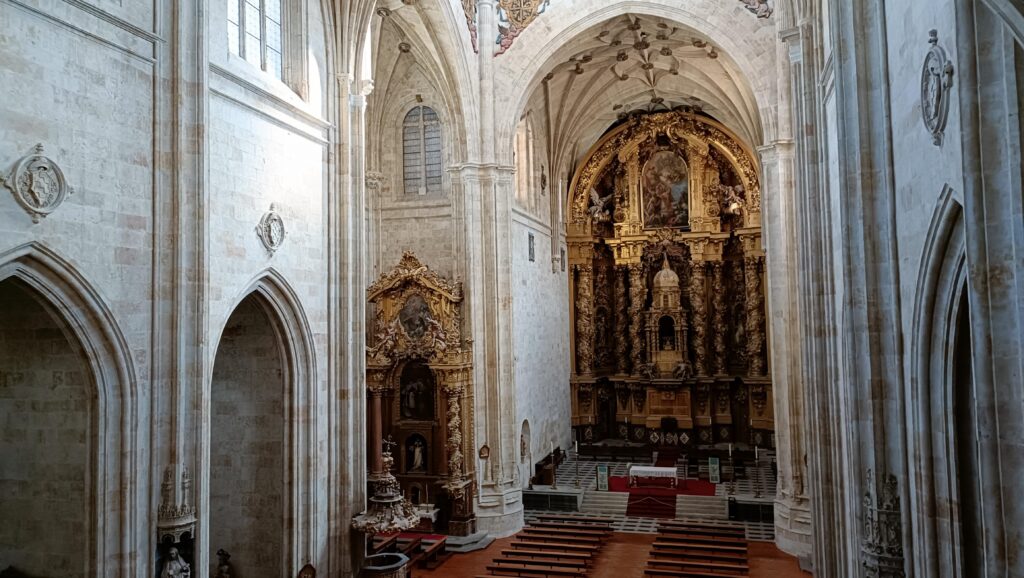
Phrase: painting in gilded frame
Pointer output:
(666, 191)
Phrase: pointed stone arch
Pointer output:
(932, 424)
(274, 296)
(116, 528)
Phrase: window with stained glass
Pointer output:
(421, 151)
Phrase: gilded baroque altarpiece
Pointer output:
(667, 286)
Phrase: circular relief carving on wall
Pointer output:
(936, 82)
(37, 183)
(271, 230)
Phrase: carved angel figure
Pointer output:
(598, 208)
(732, 200)
(684, 370)
(386, 339)
(435, 334)
(647, 370)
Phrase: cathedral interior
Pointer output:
(457, 288)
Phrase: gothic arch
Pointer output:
(114, 460)
(1011, 13)
(283, 308)
(522, 67)
(933, 492)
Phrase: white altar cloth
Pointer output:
(651, 472)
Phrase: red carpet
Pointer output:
(684, 488)
(647, 506)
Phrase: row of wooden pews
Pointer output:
(554, 545)
(690, 550)
(423, 550)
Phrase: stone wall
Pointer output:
(46, 402)
(540, 318)
(175, 150)
(247, 445)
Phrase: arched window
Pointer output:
(254, 33)
(421, 151)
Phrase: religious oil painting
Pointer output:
(417, 392)
(665, 186)
(414, 316)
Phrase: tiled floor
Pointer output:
(623, 557)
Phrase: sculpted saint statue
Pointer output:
(175, 567)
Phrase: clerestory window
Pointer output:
(421, 151)
(254, 33)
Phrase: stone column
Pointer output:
(699, 322)
(718, 327)
(637, 298)
(585, 320)
(621, 330)
(755, 315)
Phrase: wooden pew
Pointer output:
(576, 519)
(678, 541)
(654, 572)
(521, 544)
(552, 562)
(736, 568)
(514, 569)
(584, 557)
(701, 529)
(541, 536)
(575, 527)
(433, 555)
(556, 530)
(674, 552)
(683, 534)
(384, 544)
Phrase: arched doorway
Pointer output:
(249, 459)
(48, 416)
(965, 444)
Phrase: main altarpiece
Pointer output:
(667, 287)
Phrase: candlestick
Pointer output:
(755, 453)
(730, 450)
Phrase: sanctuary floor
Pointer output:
(624, 556)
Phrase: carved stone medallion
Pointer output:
(271, 230)
(760, 8)
(37, 183)
(936, 82)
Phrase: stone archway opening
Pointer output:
(48, 420)
(249, 444)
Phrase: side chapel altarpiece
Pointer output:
(418, 376)
(667, 287)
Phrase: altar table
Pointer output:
(636, 473)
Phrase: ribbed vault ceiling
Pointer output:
(635, 62)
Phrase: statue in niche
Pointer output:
(666, 191)
(417, 392)
(415, 317)
(175, 566)
(416, 454)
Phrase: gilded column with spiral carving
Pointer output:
(455, 457)
(718, 314)
(621, 321)
(637, 297)
(585, 319)
(698, 305)
(755, 315)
